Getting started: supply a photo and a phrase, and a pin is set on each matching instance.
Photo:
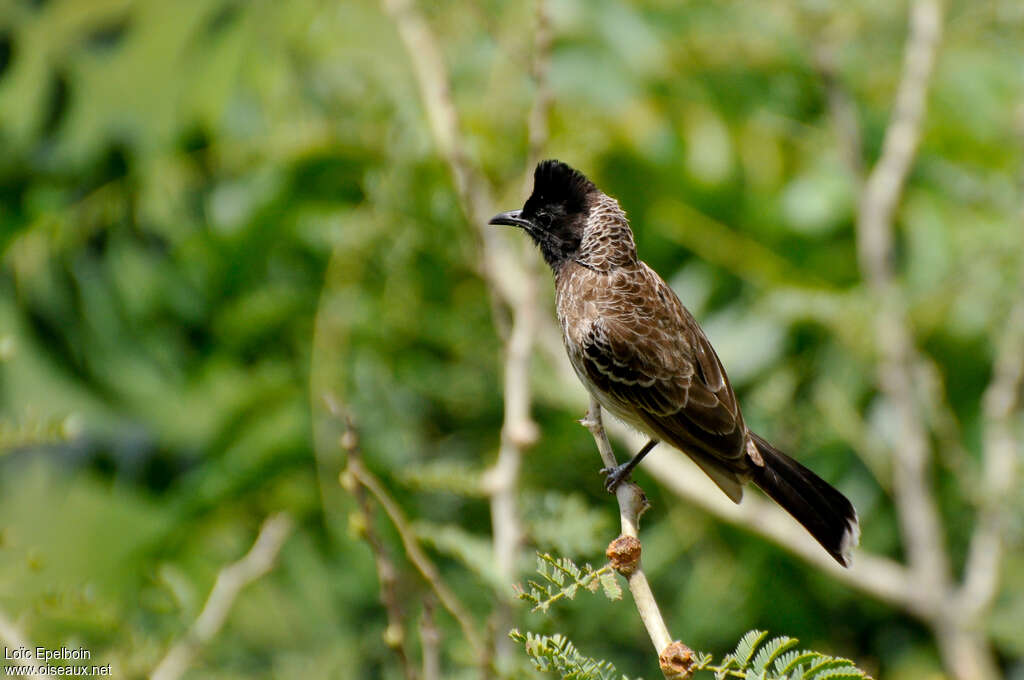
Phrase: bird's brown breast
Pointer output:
(640, 352)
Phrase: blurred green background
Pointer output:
(213, 213)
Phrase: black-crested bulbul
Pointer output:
(641, 353)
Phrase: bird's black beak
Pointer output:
(511, 218)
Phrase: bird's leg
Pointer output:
(620, 473)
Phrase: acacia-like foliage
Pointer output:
(756, 657)
(561, 577)
(557, 654)
(753, 659)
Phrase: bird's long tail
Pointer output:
(823, 511)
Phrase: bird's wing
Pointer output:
(645, 350)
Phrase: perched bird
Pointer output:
(641, 353)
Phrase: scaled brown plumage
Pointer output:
(640, 352)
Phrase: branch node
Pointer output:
(677, 661)
(523, 434)
(347, 480)
(394, 636)
(349, 439)
(357, 525)
(624, 554)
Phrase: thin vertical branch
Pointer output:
(963, 649)
(387, 573)
(510, 281)
(675, 659)
(356, 477)
(430, 637)
(230, 581)
(435, 91)
(502, 480)
(426, 567)
(504, 274)
(842, 112)
(1001, 447)
(518, 432)
(538, 128)
(885, 183)
(918, 514)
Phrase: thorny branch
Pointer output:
(676, 659)
(879, 576)
(230, 581)
(356, 478)
(387, 573)
(427, 569)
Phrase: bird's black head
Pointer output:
(555, 215)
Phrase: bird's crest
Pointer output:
(555, 182)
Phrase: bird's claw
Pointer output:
(615, 476)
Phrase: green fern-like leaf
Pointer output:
(747, 645)
(790, 660)
(770, 651)
(562, 578)
(757, 658)
(612, 589)
(556, 653)
(847, 672)
(825, 665)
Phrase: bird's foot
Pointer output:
(615, 476)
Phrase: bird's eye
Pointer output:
(543, 219)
